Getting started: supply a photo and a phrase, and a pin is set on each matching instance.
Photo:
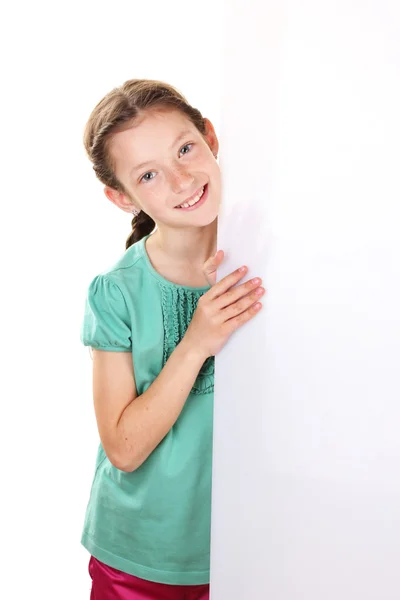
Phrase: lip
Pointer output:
(199, 203)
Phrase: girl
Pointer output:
(155, 321)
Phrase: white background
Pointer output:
(307, 418)
(58, 231)
(307, 455)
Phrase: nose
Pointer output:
(179, 178)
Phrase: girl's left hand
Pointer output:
(211, 265)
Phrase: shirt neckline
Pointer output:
(158, 276)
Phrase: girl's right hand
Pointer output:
(222, 310)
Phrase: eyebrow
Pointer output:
(180, 136)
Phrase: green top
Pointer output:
(154, 522)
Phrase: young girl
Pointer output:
(155, 321)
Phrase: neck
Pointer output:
(194, 245)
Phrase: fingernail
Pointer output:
(256, 281)
(242, 269)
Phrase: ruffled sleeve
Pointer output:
(106, 322)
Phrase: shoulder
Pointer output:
(125, 278)
(110, 301)
(130, 266)
(118, 287)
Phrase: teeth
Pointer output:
(193, 201)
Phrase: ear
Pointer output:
(119, 199)
(211, 136)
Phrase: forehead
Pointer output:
(149, 137)
(161, 120)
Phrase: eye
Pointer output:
(186, 146)
(145, 179)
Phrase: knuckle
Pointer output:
(238, 320)
(243, 317)
(241, 305)
(251, 287)
(229, 296)
(212, 317)
(213, 320)
(206, 313)
(235, 275)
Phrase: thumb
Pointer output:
(211, 265)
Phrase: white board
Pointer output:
(306, 492)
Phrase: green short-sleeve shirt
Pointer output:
(153, 523)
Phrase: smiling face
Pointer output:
(168, 169)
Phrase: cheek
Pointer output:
(210, 167)
(216, 175)
(152, 201)
(156, 197)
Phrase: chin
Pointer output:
(205, 219)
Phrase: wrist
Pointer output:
(192, 351)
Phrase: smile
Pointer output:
(197, 200)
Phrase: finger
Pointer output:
(243, 304)
(235, 293)
(244, 317)
(211, 266)
(226, 283)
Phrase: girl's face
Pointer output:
(164, 163)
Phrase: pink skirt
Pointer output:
(111, 584)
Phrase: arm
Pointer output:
(132, 426)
